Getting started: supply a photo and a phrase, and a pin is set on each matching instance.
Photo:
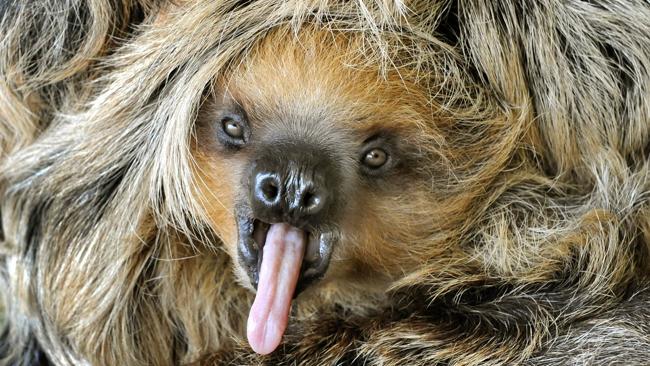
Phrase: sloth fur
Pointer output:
(539, 254)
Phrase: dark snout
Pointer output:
(293, 183)
(296, 184)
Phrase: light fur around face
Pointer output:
(522, 236)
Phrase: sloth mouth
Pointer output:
(316, 247)
(281, 261)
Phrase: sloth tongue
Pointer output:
(282, 257)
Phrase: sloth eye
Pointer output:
(374, 158)
(379, 155)
(233, 131)
(232, 128)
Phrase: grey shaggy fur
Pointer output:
(97, 105)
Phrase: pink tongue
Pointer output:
(267, 321)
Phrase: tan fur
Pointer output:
(518, 233)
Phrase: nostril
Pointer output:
(311, 202)
(268, 189)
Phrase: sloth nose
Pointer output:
(291, 189)
(294, 197)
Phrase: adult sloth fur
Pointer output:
(527, 243)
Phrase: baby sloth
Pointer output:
(307, 166)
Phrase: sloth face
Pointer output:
(312, 174)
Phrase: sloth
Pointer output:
(304, 177)
(331, 182)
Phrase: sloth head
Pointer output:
(316, 173)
